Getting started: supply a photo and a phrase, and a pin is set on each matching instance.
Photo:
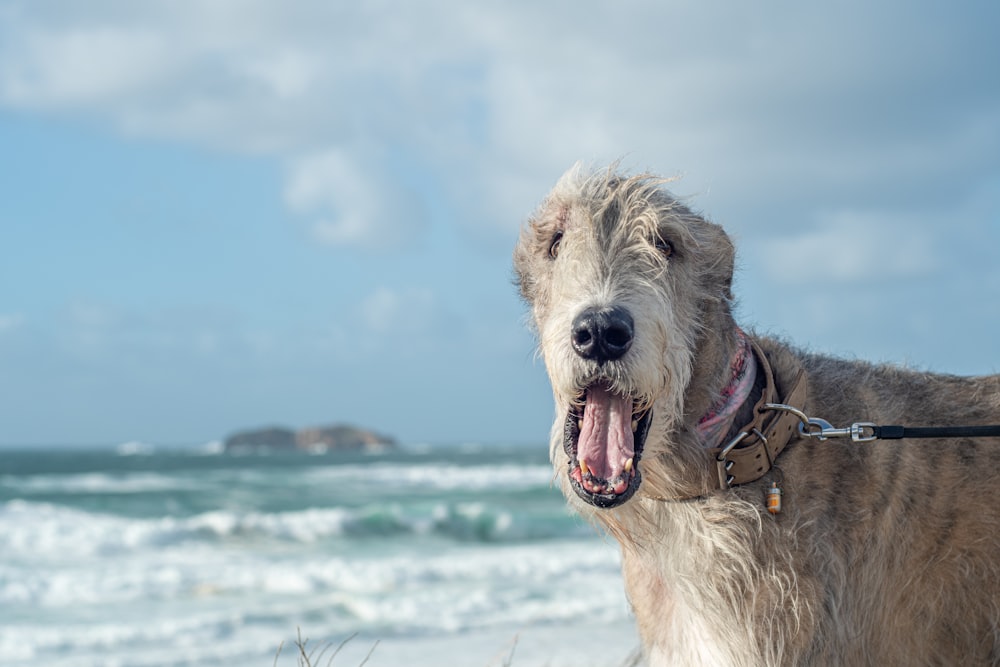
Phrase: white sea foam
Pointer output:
(210, 448)
(193, 587)
(414, 553)
(393, 478)
(97, 483)
(135, 448)
(44, 534)
(38, 530)
(42, 530)
(439, 476)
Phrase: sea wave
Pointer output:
(33, 529)
(400, 593)
(436, 476)
(142, 585)
(387, 478)
(172, 560)
(96, 483)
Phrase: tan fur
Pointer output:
(886, 553)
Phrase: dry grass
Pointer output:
(633, 660)
(314, 657)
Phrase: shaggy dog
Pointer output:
(745, 539)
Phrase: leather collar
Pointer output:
(752, 453)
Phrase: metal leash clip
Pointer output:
(821, 429)
(857, 432)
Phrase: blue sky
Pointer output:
(230, 214)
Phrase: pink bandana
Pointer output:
(714, 424)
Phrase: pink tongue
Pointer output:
(606, 439)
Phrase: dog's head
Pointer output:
(622, 280)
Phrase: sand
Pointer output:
(549, 645)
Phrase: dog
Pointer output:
(748, 537)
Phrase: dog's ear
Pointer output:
(706, 251)
(717, 256)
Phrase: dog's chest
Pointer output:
(673, 631)
(676, 628)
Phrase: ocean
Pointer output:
(143, 557)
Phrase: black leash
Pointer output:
(820, 429)
(900, 432)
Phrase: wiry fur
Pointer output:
(885, 554)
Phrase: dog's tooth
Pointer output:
(628, 465)
(635, 425)
(579, 424)
(583, 467)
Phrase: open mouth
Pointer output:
(603, 436)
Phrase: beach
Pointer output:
(146, 556)
(581, 644)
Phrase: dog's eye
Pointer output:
(554, 246)
(665, 247)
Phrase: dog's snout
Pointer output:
(602, 334)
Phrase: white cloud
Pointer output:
(848, 247)
(799, 103)
(94, 67)
(399, 312)
(286, 75)
(845, 139)
(350, 204)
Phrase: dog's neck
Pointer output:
(718, 422)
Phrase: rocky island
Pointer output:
(319, 439)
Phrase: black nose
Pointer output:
(602, 334)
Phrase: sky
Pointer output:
(223, 215)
